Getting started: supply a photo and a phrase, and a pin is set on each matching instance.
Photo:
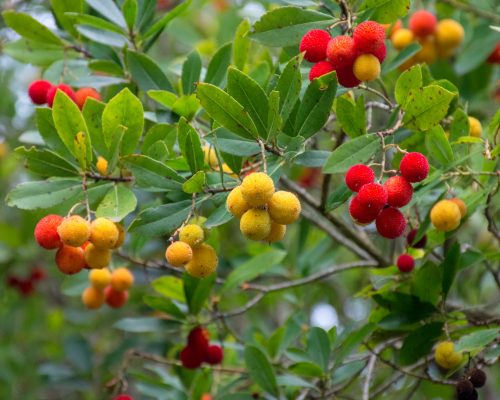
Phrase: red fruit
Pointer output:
(198, 339)
(405, 263)
(38, 91)
(190, 358)
(414, 167)
(214, 355)
(411, 238)
(123, 397)
(369, 36)
(114, 298)
(205, 396)
(390, 223)
(361, 214)
(13, 281)
(373, 197)
(46, 232)
(494, 57)
(357, 176)
(422, 23)
(380, 53)
(347, 78)
(70, 260)
(314, 43)
(341, 51)
(37, 274)
(81, 96)
(319, 69)
(26, 287)
(51, 94)
(399, 191)
(310, 177)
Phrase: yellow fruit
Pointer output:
(204, 261)
(277, 233)
(210, 156)
(257, 189)
(236, 204)
(461, 206)
(121, 236)
(74, 231)
(475, 128)
(446, 356)
(179, 254)
(97, 257)
(402, 38)
(255, 224)
(102, 166)
(103, 233)
(366, 67)
(93, 298)
(445, 216)
(121, 279)
(449, 34)
(428, 52)
(192, 234)
(284, 207)
(100, 278)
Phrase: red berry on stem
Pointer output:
(115, 298)
(405, 263)
(190, 358)
(51, 94)
(46, 232)
(26, 287)
(81, 96)
(13, 281)
(369, 36)
(390, 223)
(314, 44)
(198, 339)
(360, 213)
(37, 274)
(214, 355)
(357, 176)
(410, 239)
(347, 78)
(414, 167)
(380, 53)
(319, 69)
(373, 197)
(422, 23)
(399, 191)
(341, 51)
(38, 91)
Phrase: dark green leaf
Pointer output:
(165, 306)
(117, 204)
(170, 287)
(318, 347)
(355, 151)
(46, 162)
(241, 47)
(108, 9)
(191, 71)
(385, 11)
(61, 7)
(438, 146)
(260, 369)
(449, 267)
(288, 86)
(351, 116)
(217, 68)
(29, 28)
(162, 23)
(153, 175)
(197, 291)
(147, 73)
(419, 343)
(190, 145)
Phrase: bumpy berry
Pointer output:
(477, 377)
(74, 231)
(314, 44)
(236, 204)
(405, 263)
(465, 389)
(192, 234)
(361, 214)
(255, 224)
(341, 51)
(100, 278)
(414, 167)
(97, 257)
(422, 23)
(179, 254)
(190, 358)
(276, 234)
(369, 36)
(475, 128)
(399, 191)
(319, 69)
(81, 96)
(372, 196)
(214, 355)
(461, 205)
(410, 239)
(347, 78)
(284, 207)
(366, 68)
(390, 223)
(46, 232)
(446, 356)
(204, 261)
(402, 39)
(38, 91)
(198, 339)
(121, 236)
(121, 279)
(449, 34)
(70, 260)
(115, 298)
(357, 176)
(380, 53)
(445, 216)
(51, 94)
(93, 298)
(103, 233)
(257, 189)
(102, 166)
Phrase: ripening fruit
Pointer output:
(46, 232)
(97, 257)
(103, 233)
(100, 278)
(357, 176)
(255, 224)
(399, 191)
(102, 166)
(319, 69)
(402, 39)
(121, 236)
(206, 396)
(198, 339)
(422, 23)
(380, 53)
(475, 128)
(341, 51)
(214, 355)
(81, 96)
(179, 254)
(192, 234)
(361, 214)
(428, 53)
(257, 189)
(461, 205)
(372, 196)
(405, 263)
(347, 78)
(121, 279)
(93, 298)
(366, 68)
(38, 91)
(74, 231)
(410, 239)
(368, 36)
(445, 216)
(70, 260)
(210, 156)
(276, 234)
(477, 377)
(204, 261)
(284, 207)
(414, 167)
(314, 44)
(190, 358)
(51, 94)
(114, 298)
(390, 223)
(446, 356)
(236, 204)
(449, 34)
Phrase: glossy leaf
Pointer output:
(260, 369)
(117, 204)
(355, 151)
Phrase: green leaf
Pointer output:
(307, 369)
(288, 86)
(92, 113)
(347, 371)
(355, 151)
(191, 71)
(103, 36)
(37, 53)
(140, 325)
(427, 283)
(226, 110)
(29, 28)
(477, 49)
(147, 73)
(96, 22)
(190, 145)
(318, 347)
(338, 197)
(260, 369)
(459, 125)
(197, 291)
(419, 343)
(117, 204)
(438, 146)
(351, 116)
(285, 26)
(385, 11)
(274, 120)
(449, 267)
(228, 142)
(82, 144)
(241, 44)
(165, 305)
(170, 287)
(129, 9)
(217, 68)
(61, 7)
(195, 184)
(477, 340)
(219, 217)
(409, 80)
(153, 175)
(162, 23)
(108, 9)
(48, 131)
(403, 56)
(352, 341)
(312, 158)
(46, 162)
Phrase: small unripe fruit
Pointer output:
(465, 389)
(70, 260)
(390, 223)
(236, 204)
(399, 191)
(81, 96)
(461, 205)
(179, 254)
(192, 234)
(366, 67)
(414, 167)
(314, 44)
(74, 231)
(210, 156)
(115, 298)
(51, 94)
(341, 51)
(277, 233)
(190, 358)
(103, 233)
(422, 23)
(319, 69)
(93, 298)
(477, 377)
(102, 166)
(198, 339)
(121, 236)
(255, 224)
(361, 214)
(284, 207)
(410, 239)
(357, 176)
(428, 53)
(97, 257)
(257, 189)
(445, 216)
(402, 39)
(100, 278)
(38, 91)
(368, 36)
(204, 261)
(449, 34)
(475, 128)
(446, 356)
(214, 355)
(121, 279)
(405, 263)
(347, 78)
(46, 232)
(372, 196)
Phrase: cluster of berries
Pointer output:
(109, 287)
(26, 286)
(466, 387)
(437, 39)
(405, 261)
(446, 215)
(356, 59)
(446, 356)
(198, 258)
(494, 57)
(199, 350)
(43, 92)
(80, 244)
(263, 212)
(380, 203)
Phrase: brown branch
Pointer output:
(97, 177)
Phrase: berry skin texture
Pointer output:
(366, 68)
(74, 231)
(449, 34)
(121, 279)
(100, 278)
(93, 298)
(190, 358)
(347, 78)
(475, 128)
(277, 233)
(103, 233)
(380, 53)
(372, 196)
(46, 232)
(405, 263)
(422, 23)
(204, 261)
(38, 91)
(192, 234)
(369, 36)
(410, 239)
(102, 166)
(257, 189)
(121, 236)
(414, 167)
(81, 96)
(198, 339)
(390, 223)
(214, 355)
(361, 214)
(97, 257)
(179, 254)
(477, 377)
(465, 389)
(341, 51)
(399, 191)
(357, 176)
(255, 224)
(284, 207)
(402, 39)
(114, 298)
(445, 216)
(236, 204)
(51, 94)
(314, 44)
(461, 205)
(319, 69)
(70, 260)
(446, 356)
